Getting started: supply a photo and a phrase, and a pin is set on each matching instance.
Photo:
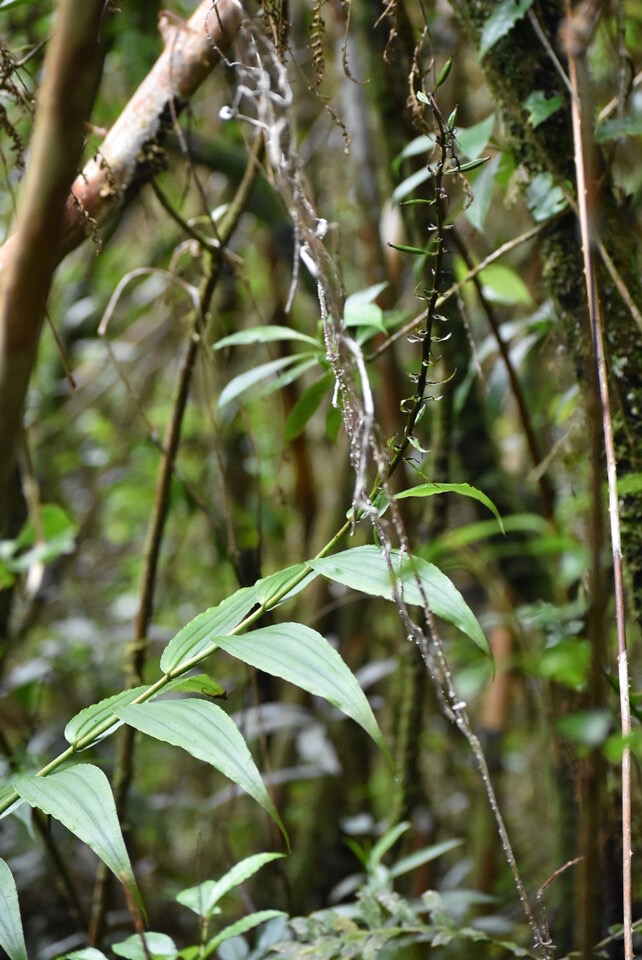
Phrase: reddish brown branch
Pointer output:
(130, 155)
(27, 261)
(56, 213)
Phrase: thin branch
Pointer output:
(156, 529)
(456, 287)
(545, 489)
(543, 39)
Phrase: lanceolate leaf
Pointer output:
(306, 406)
(265, 334)
(302, 656)
(269, 587)
(83, 725)
(411, 183)
(465, 489)
(242, 926)
(81, 799)
(419, 857)
(204, 898)
(387, 841)
(12, 938)
(208, 734)
(305, 361)
(365, 569)
(244, 381)
(199, 633)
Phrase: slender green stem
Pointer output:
(159, 685)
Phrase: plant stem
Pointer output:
(577, 53)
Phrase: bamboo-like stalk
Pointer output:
(576, 48)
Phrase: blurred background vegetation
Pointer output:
(264, 479)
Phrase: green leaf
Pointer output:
(302, 656)
(197, 636)
(543, 198)
(417, 859)
(615, 745)
(6, 576)
(501, 21)
(87, 953)
(411, 183)
(588, 728)
(207, 733)
(540, 107)
(197, 683)
(482, 188)
(158, 945)
(425, 144)
(405, 248)
(295, 371)
(503, 285)
(359, 314)
(386, 842)
(6, 793)
(12, 938)
(469, 165)
(367, 295)
(59, 532)
(242, 926)
(269, 587)
(360, 310)
(81, 799)
(265, 334)
(204, 898)
(464, 489)
(567, 662)
(306, 406)
(254, 375)
(84, 725)
(333, 423)
(444, 72)
(472, 140)
(618, 128)
(365, 569)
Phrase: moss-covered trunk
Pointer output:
(515, 67)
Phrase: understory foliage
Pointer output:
(310, 645)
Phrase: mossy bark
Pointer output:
(516, 66)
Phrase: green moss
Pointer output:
(515, 67)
